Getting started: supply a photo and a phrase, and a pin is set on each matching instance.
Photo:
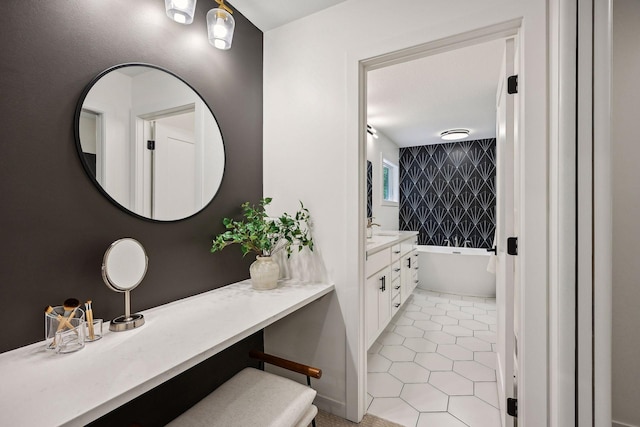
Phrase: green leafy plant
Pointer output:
(264, 235)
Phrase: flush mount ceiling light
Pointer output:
(180, 11)
(371, 131)
(454, 134)
(220, 26)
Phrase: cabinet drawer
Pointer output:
(395, 305)
(408, 245)
(395, 270)
(395, 252)
(396, 285)
(377, 262)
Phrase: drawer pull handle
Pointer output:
(396, 252)
(398, 287)
(415, 281)
(396, 305)
(396, 269)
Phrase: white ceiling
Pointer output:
(270, 14)
(413, 102)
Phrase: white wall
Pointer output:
(311, 152)
(111, 96)
(385, 214)
(626, 211)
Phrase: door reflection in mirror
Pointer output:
(150, 142)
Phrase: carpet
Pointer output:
(325, 419)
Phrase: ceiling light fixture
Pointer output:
(220, 26)
(180, 11)
(454, 134)
(220, 23)
(371, 131)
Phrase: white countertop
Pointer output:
(41, 388)
(385, 239)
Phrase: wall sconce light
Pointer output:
(454, 134)
(180, 11)
(220, 26)
(371, 131)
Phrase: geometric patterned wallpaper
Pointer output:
(448, 192)
(369, 189)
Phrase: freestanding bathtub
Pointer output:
(461, 271)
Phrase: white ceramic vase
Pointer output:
(264, 272)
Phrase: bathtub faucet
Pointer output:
(455, 241)
(466, 243)
(448, 242)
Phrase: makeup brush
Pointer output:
(89, 312)
(70, 306)
(62, 321)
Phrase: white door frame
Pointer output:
(500, 31)
(506, 226)
(580, 221)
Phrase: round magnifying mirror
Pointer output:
(123, 268)
(149, 142)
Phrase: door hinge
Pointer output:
(512, 245)
(512, 407)
(512, 84)
(151, 145)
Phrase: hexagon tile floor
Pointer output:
(435, 363)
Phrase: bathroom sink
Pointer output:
(380, 240)
(387, 233)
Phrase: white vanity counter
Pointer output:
(41, 388)
(386, 239)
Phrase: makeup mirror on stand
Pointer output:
(123, 268)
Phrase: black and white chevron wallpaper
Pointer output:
(369, 189)
(447, 191)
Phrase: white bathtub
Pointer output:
(461, 271)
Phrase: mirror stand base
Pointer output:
(122, 323)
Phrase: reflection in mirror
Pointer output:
(149, 142)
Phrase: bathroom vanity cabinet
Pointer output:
(391, 272)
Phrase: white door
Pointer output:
(505, 227)
(174, 172)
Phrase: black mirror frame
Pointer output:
(90, 173)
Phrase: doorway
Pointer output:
(427, 51)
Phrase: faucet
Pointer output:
(465, 244)
(448, 242)
(370, 225)
(455, 241)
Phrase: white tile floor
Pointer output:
(434, 366)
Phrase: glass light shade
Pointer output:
(454, 134)
(220, 26)
(181, 11)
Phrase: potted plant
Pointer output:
(265, 236)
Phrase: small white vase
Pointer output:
(264, 273)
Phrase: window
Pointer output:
(390, 185)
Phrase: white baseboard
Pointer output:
(621, 424)
(331, 406)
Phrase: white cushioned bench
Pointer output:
(256, 398)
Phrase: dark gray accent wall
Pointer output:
(55, 225)
(447, 192)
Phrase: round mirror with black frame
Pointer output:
(149, 142)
